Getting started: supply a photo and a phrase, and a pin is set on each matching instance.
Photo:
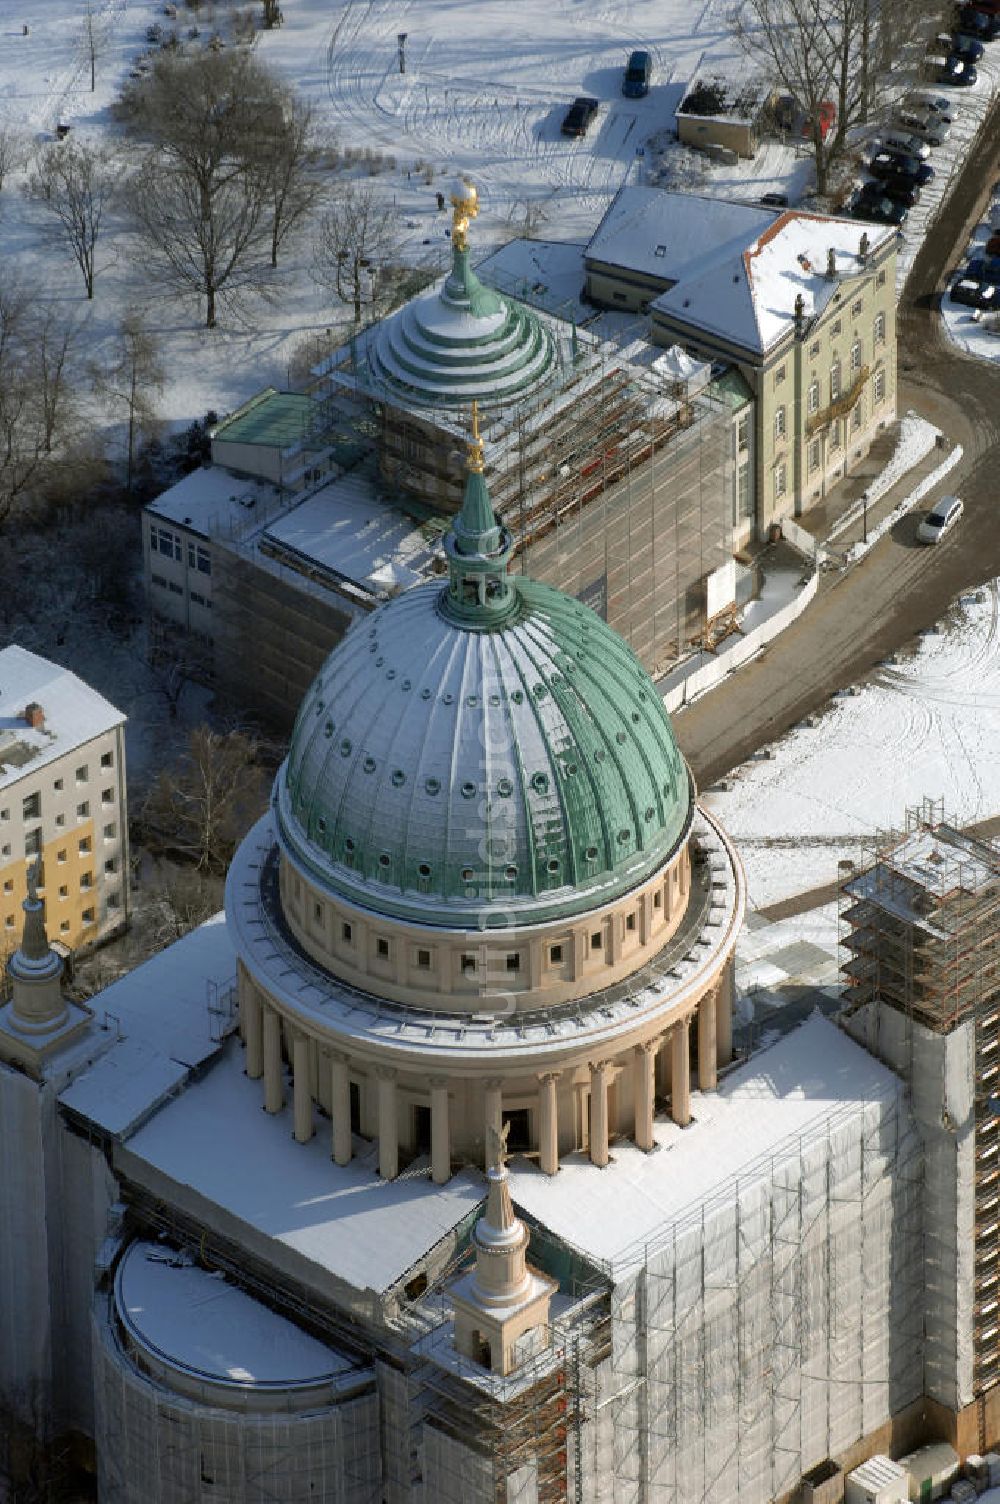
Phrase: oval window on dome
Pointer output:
(472, 701)
(624, 835)
(425, 694)
(552, 865)
(433, 785)
(345, 747)
(505, 788)
(328, 730)
(600, 755)
(468, 790)
(510, 872)
(385, 860)
(642, 696)
(447, 699)
(405, 685)
(636, 717)
(398, 777)
(518, 697)
(591, 853)
(369, 764)
(621, 738)
(571, 770)
(494, 700)
(424, 869)
(650, 812)
(379, 661)
(540, 783)
(467, 874)
(539, 691)
(390, 673)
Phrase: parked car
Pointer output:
(976, 294)
(826, 114)
(774, 200)
(638, 71)
(969, 49)
(940, 519)
(972, 22)
(579, 115)
(879, 208)
(908, 142)
(904, 190)
(929, 128)
(897, 164)
(925, 100)
(957, 73)
(983, 269)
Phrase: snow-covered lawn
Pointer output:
(927, 727)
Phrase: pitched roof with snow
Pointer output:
(74, 713)
(746, 293)
(667, 235)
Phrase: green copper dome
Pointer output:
(483, 753)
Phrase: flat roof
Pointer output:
(278, 420)
(212, 498)
(74, 713)
(215, 1139)
(812, 1078)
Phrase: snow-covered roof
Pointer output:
(213, 498)
(349, 529)
(363, 1230)
(793, 1090)
(669, 236)
(74, 713)
(168, 1016)
(746, 293)
(201, 1323)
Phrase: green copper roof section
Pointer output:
(480, 596)
(463, 287)
(482, 778)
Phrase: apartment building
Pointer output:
(62, 803)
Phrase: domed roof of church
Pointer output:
(483, 753)
(462, 342)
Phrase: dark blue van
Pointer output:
(637, 74)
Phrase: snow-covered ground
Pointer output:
(926, 727)
(979, 335)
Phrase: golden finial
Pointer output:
(465, 206)
(475, 461)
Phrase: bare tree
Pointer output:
(129, 381)
(272, 14)
(22, 419)
(355, 242)
(203, 196)
(13, 152)
(290, 159)
(76, 184)
(202, 807)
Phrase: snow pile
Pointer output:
(915, 438)
(926, 727)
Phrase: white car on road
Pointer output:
(940, 519)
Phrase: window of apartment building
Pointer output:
(199, 558)
(743, 434)
(88, 916)
(64, 926)
(5, 850)
(83, 811)
(113, 900)
(835, 434)
(814, 455)
(107, 796)
(83, 846)
(60, 819)
(198, 600)
(111, 865)
(162, 540)
(812, 397)
(855, 357)
(174, 588)
(835, 381)
(744, 497)
(879, 385)
(856, 308)
(33, 841)
(779, 424)
(8, 886)
(159, 579)
(878, 329)
(58, 785)
(31, 808)
(4, 814)
(82, 774)
(779, 375)
(838, 326)
(780, 480)
(86, 881)
(61, 855)
(64, 891)
(8, 922)
(107, 759)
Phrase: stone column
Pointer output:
(599, 1113)
(644, 1090)
(274, 1090)
(708, 1075)
(492, 1115)
(680, 1074)
(340, 1110)
(301, 1090)
(388, 1124)
(250, 1008)
(440, 1131)
(724, 1015)
(548, 1123)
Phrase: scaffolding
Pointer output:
(920, 923)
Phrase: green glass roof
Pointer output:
(487, 764)
(276, 419)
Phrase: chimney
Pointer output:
(35, 716)
(831, 262)
(863, 248)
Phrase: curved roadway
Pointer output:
(879, 605)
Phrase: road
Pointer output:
(878, 606)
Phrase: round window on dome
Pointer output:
(539, 691)
(385, 860)
(433, 785)
(600, 755)
(447, 699)
(494, 700)
(552, 865)
(467, 874)
(472, 701)
(539, 783)
(650, 812)
(398, 777)
(505, 788)
(369, 764)
(518, 697)
(468, 790)
(345, 747)
(591, 853)
(621, 738)
(571, 770)
(390, 673)
(328, 730)
(425, 693)
(623, 836)
(424, 869)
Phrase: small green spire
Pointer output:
(480, 594)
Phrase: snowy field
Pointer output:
(926, 727)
